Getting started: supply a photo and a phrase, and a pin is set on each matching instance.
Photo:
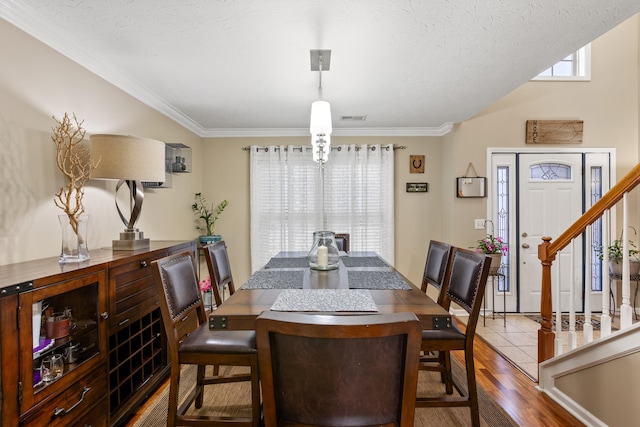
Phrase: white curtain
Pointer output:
(286, 204)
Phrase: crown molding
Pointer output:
(277, 132)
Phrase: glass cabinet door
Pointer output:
(61, 336)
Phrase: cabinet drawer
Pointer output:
(96, 417)
(64, 408)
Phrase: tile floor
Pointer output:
(518, 340)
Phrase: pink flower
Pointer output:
(205, 284)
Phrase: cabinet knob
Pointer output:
(143, 264)
(105, 315)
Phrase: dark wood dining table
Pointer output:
(362, 272)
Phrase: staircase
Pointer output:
(598, 381)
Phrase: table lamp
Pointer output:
(130, 160)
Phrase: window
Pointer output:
(287, 204)
(574, 67)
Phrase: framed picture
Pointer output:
(417, 187)
(471, 186)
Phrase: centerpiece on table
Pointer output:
(73, 158)
(209, 216)
(495, 247)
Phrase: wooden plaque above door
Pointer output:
(554, 131)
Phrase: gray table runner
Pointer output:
(284, 262)
(275, 279)
(328, 300)
(377, 280)
(365, 261)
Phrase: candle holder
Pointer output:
(324, 253)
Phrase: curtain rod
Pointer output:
(338, 148)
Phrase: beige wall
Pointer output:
(608, 105)
(37, 82)
(612, 387)
(417, 216)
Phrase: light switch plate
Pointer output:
(479, 224)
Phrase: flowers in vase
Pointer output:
(205, 284)
(492, 245)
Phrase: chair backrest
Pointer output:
(466, 282)
(342, 241)
(219, 269)
(436, 268)
(179, 295)
(325, 370)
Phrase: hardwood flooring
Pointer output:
(515, 391)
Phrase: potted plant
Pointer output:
(615, 252)
(495, 247)
(209, 216)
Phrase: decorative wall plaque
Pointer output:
(554, 131)
(416, 163)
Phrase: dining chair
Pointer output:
(465, 286)
(219, 269)
(435, 272)
(342, 241)
(191, 342)
(313, 370)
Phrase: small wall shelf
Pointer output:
(177, 159)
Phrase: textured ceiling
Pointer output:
(242, 67)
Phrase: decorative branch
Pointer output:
(74, 160)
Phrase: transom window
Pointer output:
(573, 67)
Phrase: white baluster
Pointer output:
(587, 327)
(605, 319)
(625, 309)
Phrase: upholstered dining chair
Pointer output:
(190, 341)
(435, 271)
(342, 241)
(219, 269)
(465, 286)
(313, 372)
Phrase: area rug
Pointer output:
(565, 321)
(234, 400)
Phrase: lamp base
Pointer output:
(131, 240)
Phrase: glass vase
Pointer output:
(74, 245)
(324, 253)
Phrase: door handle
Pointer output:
(525, 245)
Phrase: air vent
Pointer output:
(353, 118)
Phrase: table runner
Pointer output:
(377, 280)
(327, 300)
(364, 261)
(275, 279)
(283, 262)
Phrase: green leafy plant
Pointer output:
(615, 251)
(208, 215)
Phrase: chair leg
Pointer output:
(174, 386)
(255, 394)
(473, 389)
(448, 379)
(200, 386)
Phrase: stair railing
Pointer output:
(548, 250)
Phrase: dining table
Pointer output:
(363, 283)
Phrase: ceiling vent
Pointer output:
(353, 118)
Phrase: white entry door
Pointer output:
(550, 191)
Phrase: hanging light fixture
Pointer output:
(320, 124)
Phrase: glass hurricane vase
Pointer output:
(324, 253)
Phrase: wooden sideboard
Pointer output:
(115, 326)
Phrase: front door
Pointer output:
(550, 188)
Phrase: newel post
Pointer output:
(546, 336)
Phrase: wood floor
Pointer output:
(510, 388)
